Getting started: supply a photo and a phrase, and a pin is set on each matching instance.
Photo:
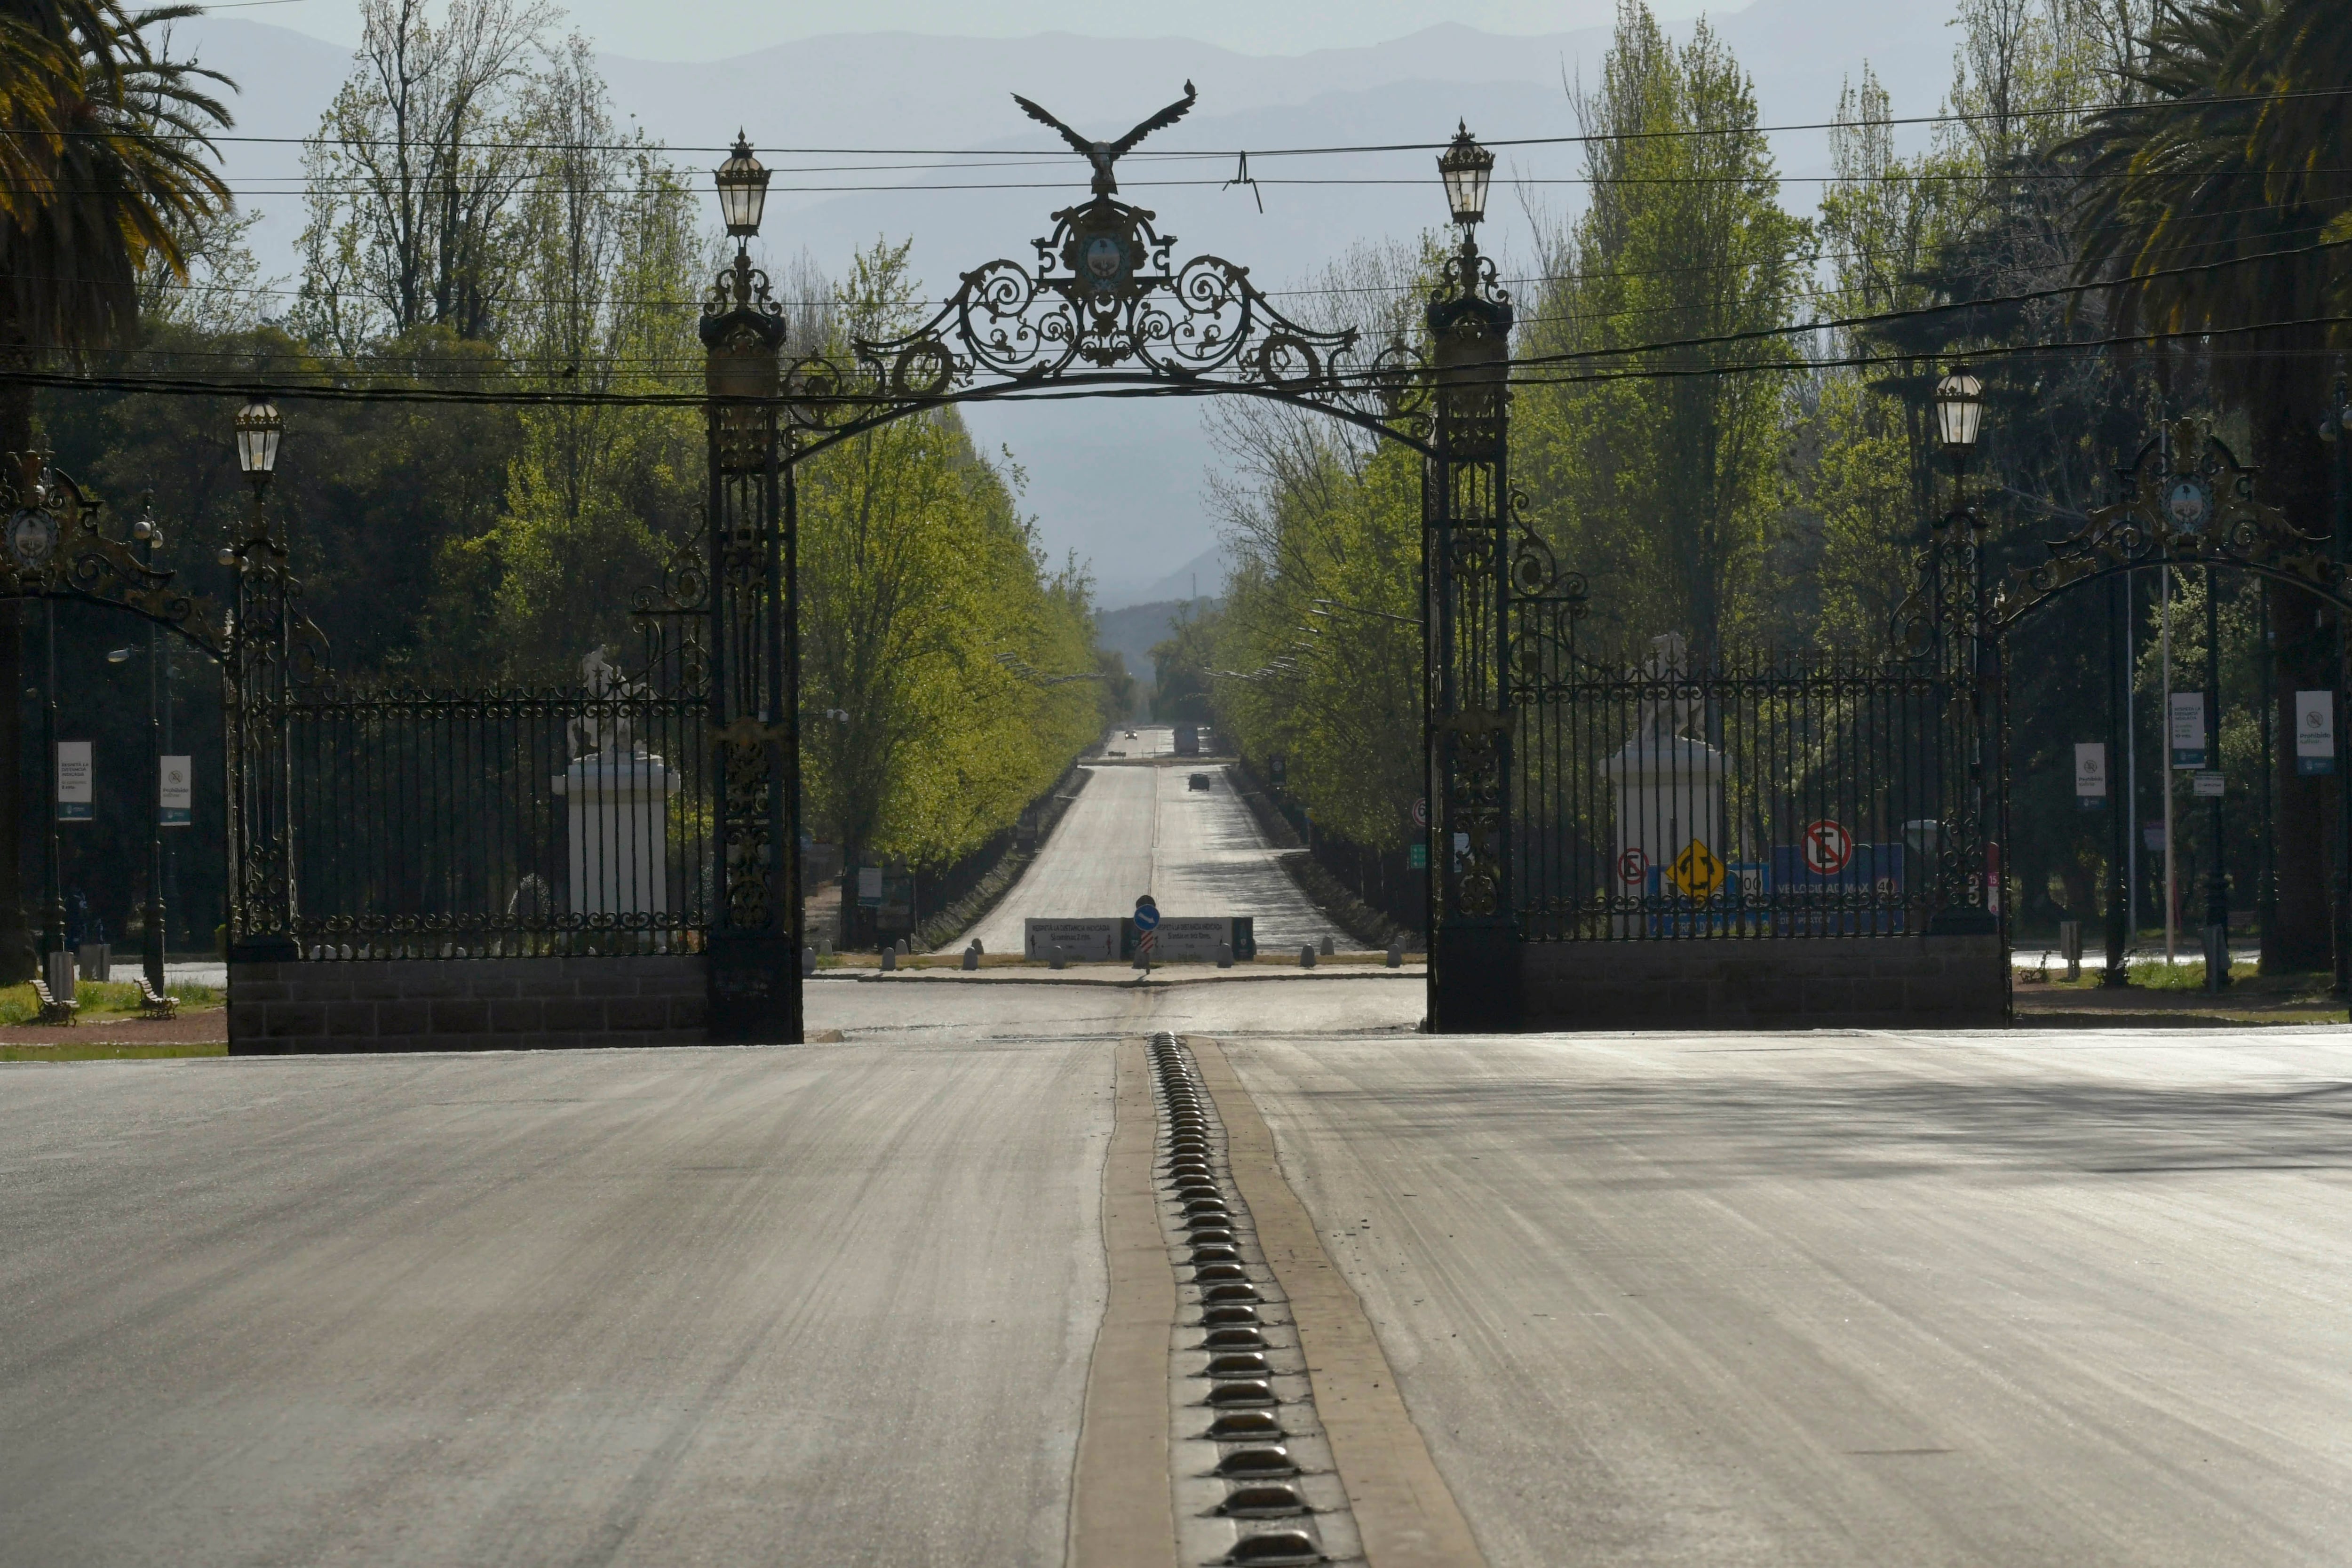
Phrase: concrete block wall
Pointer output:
(1775, 982)
(464, 1005)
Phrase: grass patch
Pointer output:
(2157, 976)
(102, 1052)
(99, 999)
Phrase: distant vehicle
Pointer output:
(1188, 740)
(1197, 781)
(1114, 754)
(1130, 734)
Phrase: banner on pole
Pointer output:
(2090, 772)
(2188, 730)
(176, 793)
(75, 801)
(2315, 732)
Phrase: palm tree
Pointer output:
(109, 152)
(104, 168)
(2229, 157)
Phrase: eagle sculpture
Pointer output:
(1103, 154)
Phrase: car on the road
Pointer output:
(1130, 734)
(1196, 781)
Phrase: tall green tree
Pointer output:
(947, 673)
(414, 174)
(1664, 490)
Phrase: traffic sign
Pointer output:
(1147, 914)
(1696, 872)
(1633, 865)
(1828, 846)
(1421, 811)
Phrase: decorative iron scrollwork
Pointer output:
(54, 545)
(2186, 500)
(1105, 296)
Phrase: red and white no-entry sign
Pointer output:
(1828, 846)
(1632, 866)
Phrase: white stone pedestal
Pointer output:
(1669, 791)
(619, 833)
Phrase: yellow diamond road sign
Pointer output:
(1696, 872)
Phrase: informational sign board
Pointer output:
(75, 801)
(2206, 785)
(1416, 855)
(869, 885)
(2188, 730)
(2315, 732)
(1827, 846)
(1863, 896)
(1186, 938)
(2151, 835)
(1084, 940)
(2090, 772)
(175, 792)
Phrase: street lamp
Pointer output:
(1959, 414)
(259, 428)
(742, 190)
(1466, 167)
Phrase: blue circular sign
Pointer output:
(1147, 917)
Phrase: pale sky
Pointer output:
(715, 29)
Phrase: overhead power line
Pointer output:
(1053, 392)
(2061, 112)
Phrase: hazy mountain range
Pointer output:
(1120, 482)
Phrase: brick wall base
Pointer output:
(464, 1005)
(1949, 981)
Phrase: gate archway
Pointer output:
(2185, 502)
(1107, 308)
(57, 549)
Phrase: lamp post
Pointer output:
(751, 958)
(148, 538)
(257, 737)
(1959, 423)
(1474, 940)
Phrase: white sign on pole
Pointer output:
(2315, 732)
(177, 796)
(2188, 729)
(2091, 770)
(75, 801)
(2206, 786)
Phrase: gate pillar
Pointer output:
(752, 961)
(1475, 943)
(260, 674)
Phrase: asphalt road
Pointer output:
(1138, 829)
(2052, 1299)
(820, 1306)
(2014, 1301)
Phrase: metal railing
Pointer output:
(1777, 794)
(499, 824)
